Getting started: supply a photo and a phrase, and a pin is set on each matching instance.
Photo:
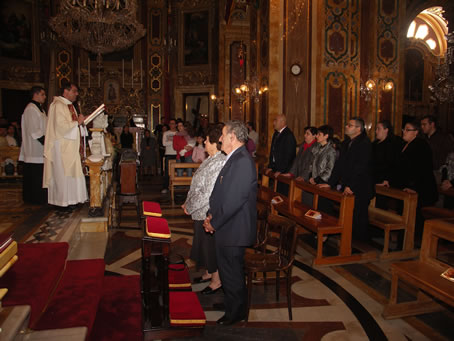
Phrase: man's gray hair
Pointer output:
(239, 129)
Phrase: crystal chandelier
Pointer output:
(250, 89)
(99, 26)
(443, 87)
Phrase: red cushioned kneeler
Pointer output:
(185, 309)
(157, 228)
(151, 208)
(178, 277)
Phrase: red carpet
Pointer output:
(76, 299)
(119, 315)
(34, 276)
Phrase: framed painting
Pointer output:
(18, 33)
(111, 92)
(195, 35)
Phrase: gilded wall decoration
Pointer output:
(154, 31)
(195, 3)
(63, 67)
(387, 35)
(340, 68)
(155, 72)
(19, 73)
(195, 78)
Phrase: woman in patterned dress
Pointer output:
(203, 250)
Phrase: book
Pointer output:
(94, 114)
(448, 274)
(313, 214)
(276, 200)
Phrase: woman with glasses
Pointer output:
(413, 172)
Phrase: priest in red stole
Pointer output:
(63, 176)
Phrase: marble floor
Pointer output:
(329, 303)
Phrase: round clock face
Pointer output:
(295, 69)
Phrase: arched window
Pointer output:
(430, 27)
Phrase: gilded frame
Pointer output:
(27, 10)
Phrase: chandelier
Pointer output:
(250, 89)
(443, 87)
(99, 26)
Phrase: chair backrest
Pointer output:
(288, 237)
(262, 224)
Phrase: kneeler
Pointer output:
(166, 311)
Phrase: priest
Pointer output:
(63, 176)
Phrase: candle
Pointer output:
(132, 73)
(88, 71)
(141, 82)
(78, 69)
(123, 71)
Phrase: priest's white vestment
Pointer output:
(63, 176)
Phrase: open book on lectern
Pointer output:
(99, 110)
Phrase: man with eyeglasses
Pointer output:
(353, 173)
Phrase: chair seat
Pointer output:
(157, 228)
(264, 262)
(151, 208)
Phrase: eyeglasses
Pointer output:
(351, 125)
(404, 130)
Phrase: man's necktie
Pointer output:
(73, 112)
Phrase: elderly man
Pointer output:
(232, 217)
(34, 121)
(353, 173)
(63, 176)
(283, 146)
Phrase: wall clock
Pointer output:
(295, 69)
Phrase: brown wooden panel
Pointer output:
(335, 107)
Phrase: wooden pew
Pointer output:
(392, 221)
(179, 180)
(328, 225)
(423, 274)
(268, 189)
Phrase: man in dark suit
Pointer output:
(353, 173)
(283, 147)
(232, 217)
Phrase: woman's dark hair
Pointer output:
(214, 133)
(313, 130)
(200, 135)
(326, 130)
(124, 128)
(387, 125)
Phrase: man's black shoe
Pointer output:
(225, 321)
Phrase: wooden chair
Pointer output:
(392, 221)
(423, 274)
(175, 180)
(281, 260)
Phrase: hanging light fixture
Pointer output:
(98, 26)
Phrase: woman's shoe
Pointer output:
(201, 280)
(209, 291)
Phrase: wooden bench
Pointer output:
(423, 274)
(179, 180)
(328, 225)
(392, 221)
